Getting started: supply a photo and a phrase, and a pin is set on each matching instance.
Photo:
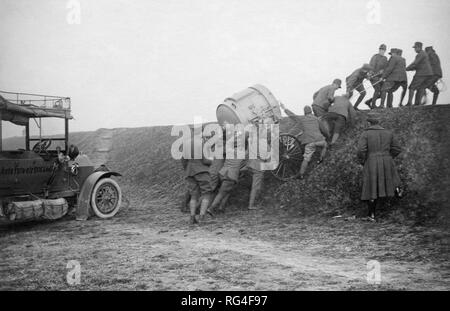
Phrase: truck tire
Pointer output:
(106, 198)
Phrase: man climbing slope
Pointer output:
(340, 114)
(355, 82)
(311, 137)
(323, 98)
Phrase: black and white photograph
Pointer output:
(204, 147)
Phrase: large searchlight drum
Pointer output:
(257, 105)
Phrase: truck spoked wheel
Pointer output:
(106, 198)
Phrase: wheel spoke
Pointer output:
(284, 170)
(280, 164)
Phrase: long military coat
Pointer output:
(376, 148)
(435, 63)
(396, 69)
(421, 65)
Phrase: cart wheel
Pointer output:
(106, 198)
(291, 157)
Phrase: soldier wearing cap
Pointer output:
(229, 172)
(355, 82)
(323, 98)
(376, 149)
(197, 175)
(437, 72)
(213, 170)
(404, 85)
(311, 136)
(339, 115)
(394, 76)
(379, 63)
(423, 76)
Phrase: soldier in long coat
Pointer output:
(376, 149)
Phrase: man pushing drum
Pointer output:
(311, 137)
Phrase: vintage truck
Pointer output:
(48, 178)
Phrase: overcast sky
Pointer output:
(153, 62)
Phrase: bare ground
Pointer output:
(151, 246)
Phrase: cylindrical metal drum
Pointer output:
(255, 104)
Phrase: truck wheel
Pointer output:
(106, 198)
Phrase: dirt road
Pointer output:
(150, 246)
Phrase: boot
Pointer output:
(376, 95)
(383, 98)
(400, 104)
(359, 100)
(371, 207)
(193, 209)
(435, 97)
(210, 212)
(419, 96)
(424, 98)
(216, 202)
(390, 99)
(399, 192)
(223, 203)
(370, 103)
(334, 139)
(410, 97)
(303, 167)
(204, 207)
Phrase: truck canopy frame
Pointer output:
(19, 108)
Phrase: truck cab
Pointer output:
(48, 168)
